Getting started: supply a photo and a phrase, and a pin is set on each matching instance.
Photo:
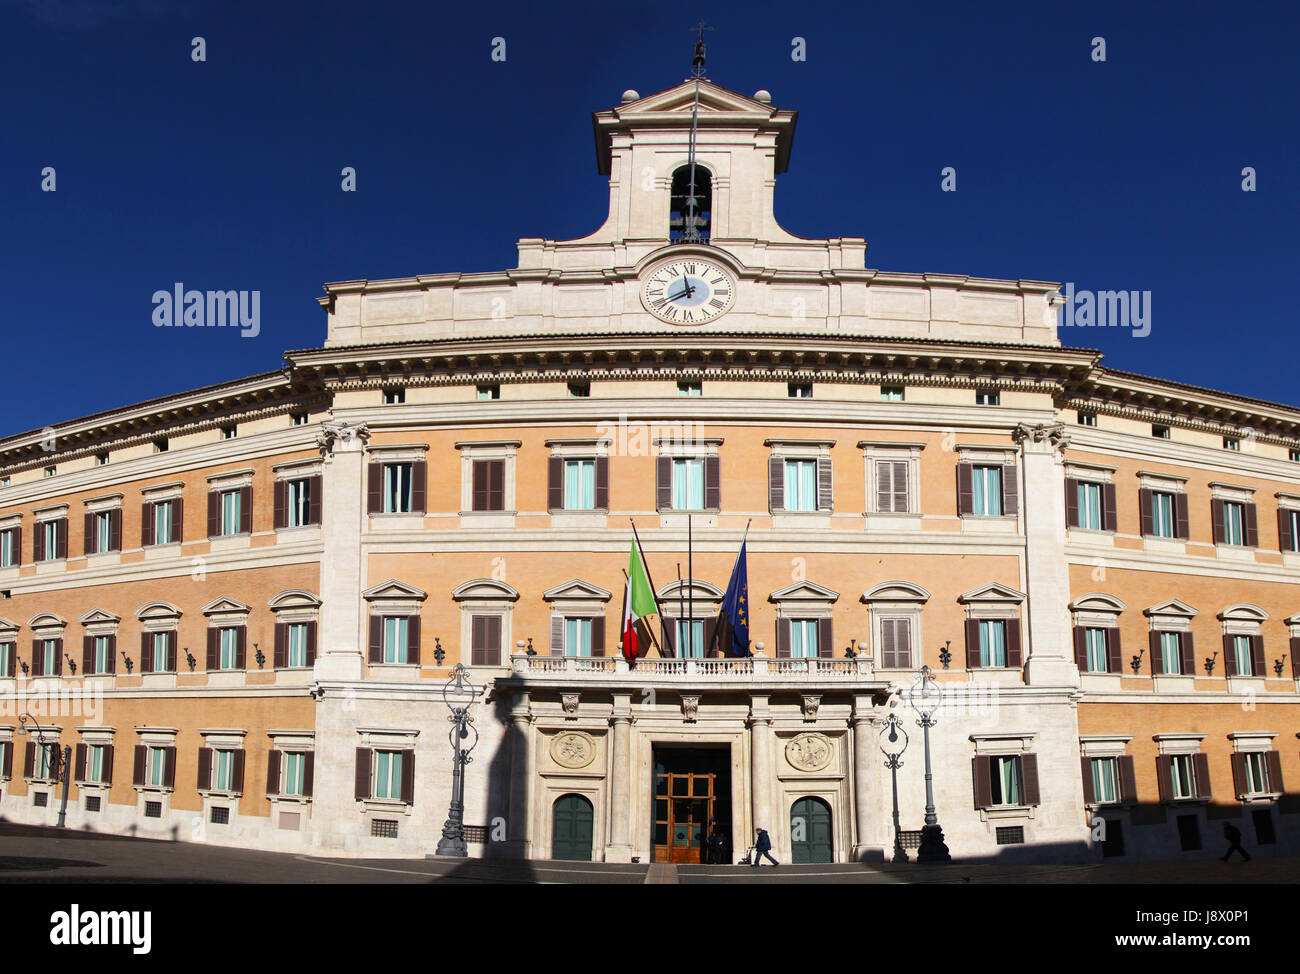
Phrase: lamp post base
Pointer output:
(932, 847)
(452, 842)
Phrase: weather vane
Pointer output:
(691, 230)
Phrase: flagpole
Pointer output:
(717, 626)
(681, 605)
(627, 581)
(690, 593)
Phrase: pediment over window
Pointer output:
(157, 610)
(992, 593)
(1243, 612)
(46, 620)
(224, 604)
(1098, 602)
(99, 616)
(1171, 607)
(293, 598)
(697, 589)
(896, 591)
(576, 588)
(393, 589)
(485, 589)
(804, 591)
(7, 629)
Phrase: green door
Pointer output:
(571, 828)
(810, 831)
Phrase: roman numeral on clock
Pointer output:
(718, 303)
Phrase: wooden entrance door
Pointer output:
(684, 807)
(810, 831)
(571, 828)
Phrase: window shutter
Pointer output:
(137, 774)
(669, 630)
(555, 483)
(87, 655)
(1239, 788)
(1164, 776)
(825, 639)
(281, 504)
(214, 514)
(478, 640)
(492, 640)
(115, 530)
(237, 772)
(1071, 502)
(1182, 517)
(311, 643)
(1216, 519)
(825, 484)
(1114, 655)
(38, 543)
(598, 636)
(419, 484)
(362, 790)
(1109, 514)
(1146, 510)
(315, 499)
(982, 772)
(146, 525)
(1187, 650)
(89, 533)
(1252, 525)
(205, 768)
(1153, 650)
(146, 652)
(710, 632)
(241, 643)
(1201, 764)
(972, 644)
(112, 655)
(281, 657)
(478, 486)
(246, 510)
(1273, 762)
(413, 639)
(308, 773)
(1081, 648)
(8, 767)
(1089, 795)
(884, 486)
(58, 658)
(1029, 772)
(664, 483)
(178, 520)
(782, 638)
(79, 772)
(1229, 657)
(214, 649)
(776, 483)
(557, 635)
(1127, 778)
(1284, 540)
(169, 767)
(713, 483)
(13, 658)
(1013, 643)
(272, 772)
(1259, 666)
(29, 760)
(496, 485)
(602, 483)
(408, 777)
(965, 490)
(61, 540)
(375, 488)
(1010, 490)
(376, 639)
(1295, 662)
(38, 659)
(888, 644)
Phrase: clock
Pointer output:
(689, 291)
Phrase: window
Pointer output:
(485, 640)
(297, 644)
(1105, 781)
(690, 389)
(1006, 780)
(96, 763)
(1171, 653)
(986, 487)
(397, 488)
(988, 397)
(51, 532)
(160, 445)
(1159, 431)
(5, 669)
(690, 638)
(396, 639)
(298, 502)
(51, 471)
(491, 391)
(896, 643)
(1290, 532)
(223, 770)
(394, 397)
(1294, 454)
(1241, 657)
(1162, 514)
(489, 485)
(803, 638)
(231, 502)
(579, 390)
(1089, 506)
(4, 481)
(229, 432)
(993, 642)
(1095, 648)
(1232, 443)
(580, 485)
(102, 525)
(1087, 418)
(1234, 523)
(891, 393)
(102, 655)
(161, 644)
(8, 548)
(229, 649)
(801, 485)
(156, 767)
(577, 637)
(292, 777)
(892, 486)
(688, 484)
(164, 514)
(799, 390)
(388, 774)
(50, 661)
(101, 459)
(1255, 772)
(298, 419)
(687, 211)
(1182, 776)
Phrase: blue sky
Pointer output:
(225, 174)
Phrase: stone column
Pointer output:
(1050, 658)
(761, 770)
(339, 653)
(521, 777)
(864, 747)
(619, 848)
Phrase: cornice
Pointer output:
(1231, 463)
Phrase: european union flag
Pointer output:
(735, 608)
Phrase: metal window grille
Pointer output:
(1011, 835)
(384, 828)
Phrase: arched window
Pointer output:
(680, 204)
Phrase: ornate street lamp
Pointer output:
(925, 699)
(454, 694)
(60, 759)
(893, 742)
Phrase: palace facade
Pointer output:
(238, 607)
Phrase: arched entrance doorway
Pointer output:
(810, 831)
(571, 820)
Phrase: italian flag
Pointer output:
(638, 602)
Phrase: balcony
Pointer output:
(757, 673)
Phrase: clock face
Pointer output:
(688, 291)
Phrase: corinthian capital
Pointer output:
(1045, 437)
(349, 437)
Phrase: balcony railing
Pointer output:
(758, 668)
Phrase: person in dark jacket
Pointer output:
(763, 847)
(1233, 835)
(717, 845)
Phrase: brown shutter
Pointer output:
(419, 484)
(1216, 519)
(18, 548)
(478, 485)
(280, 493)
(1201, 764)
(237, 773)
(664, 483)
(1273, 762)
(408, 777)
(1089, 795)
(246, 510)
(146, 525)
(214, 514)
(888, 644)
(598, 636)
(169, 767)
(1182, 517)
(782, 638)
(1029, 772)
(413, 639)
(710, 630)
(107, 770)
(1146, 511)
(825, 484)
(982, 772)
(178, 520)
(89, 533)
(825, 640)
(362, 790)
(492, 641)
(280, 660)
(115, 530)
(1164, 773)
(58, 658)
(776, 483)
(555, 483)
(669, 630)
(1114, 655)
(311, 643)
(87, 655)
(496, 485)
(375, 488)
(1259, 665)
(137, 774)
(1081, 648)
(61, 540)
(308, 773)
(1252, 525)
(1153, 649)
(1109, 513)
(965, 490)
(1127, 778)
(214, 649)
(272, 772)
(314, 487)
(1071, 502)
(111, 662)
(1295, 658)
(146, 652)
(1285, 542)
(38, 658)
(376, 639)
(241, 643)
(1229, 657)
(205, 769)
(1010, 490)
(29, 760)
(79, 771)
(972, 644)
(1013, 643)
(602, 483)
(1239, 788)
(713, 483)
(1187, 651)
(557, 635)
(38, 543)
(478, 640)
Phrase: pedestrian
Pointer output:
(1233, 835)
(763, 847)
(717, 845)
